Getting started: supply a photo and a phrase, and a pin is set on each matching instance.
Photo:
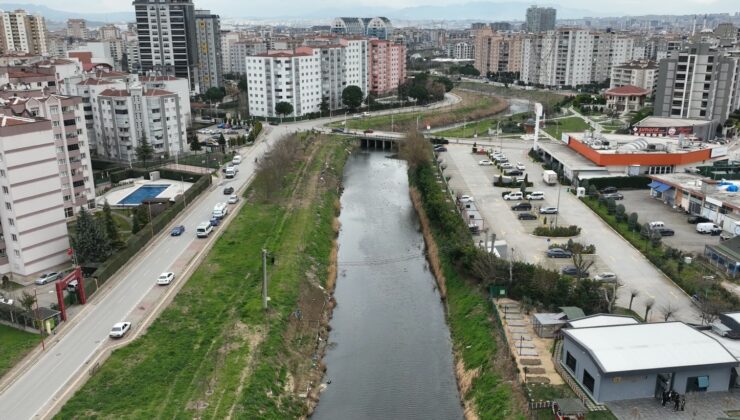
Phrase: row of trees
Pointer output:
(95, 238)
(424, 89)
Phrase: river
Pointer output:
(390, 352)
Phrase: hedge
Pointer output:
(639, 182)
(557, 232)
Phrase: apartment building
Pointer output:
(72, 148)
(285, 76)
(127, 116)
(558, 58)
(376, 27)
(132, 61)
(540, 19)
(21, 32)
(236, 52)
(460, 50)
(344, 62)
(498, 51)
(109, 33)
(698, 82)
(77, 28)
(167, 38)
(641, 73)
(208, 37)
(34, 228)
(387, 66)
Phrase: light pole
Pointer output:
(417, 122)
(557, 206)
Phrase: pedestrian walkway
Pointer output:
(711, 405)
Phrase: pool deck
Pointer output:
(114, 197)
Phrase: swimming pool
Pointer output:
(142, 193)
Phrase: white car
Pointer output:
(485, 162)
(549, 210)
(606, 277)
(233, 199)
(536, 195)
(507, 165)
(165, 278)
(514, 196)
(236, 160)
(120, 329)
(520, 166)
(465, 199)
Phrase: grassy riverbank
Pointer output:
(484, 370)
(214, 352)
(15, 345)
(471, 107)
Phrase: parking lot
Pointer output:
(613, 253)
(649, 209)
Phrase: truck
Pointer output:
(550, 177)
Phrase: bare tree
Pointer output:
(633, 294)
(711, 307)
(610, 295)
(582, 264)
(415, 149)
(648, 306)
(668, 311)
(484, 267)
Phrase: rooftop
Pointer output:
(92, 81)
(701, 187)
(641, 347)
(602, 320)
(11, 120)
(633, 144)
(156, 78)
(570, 158)
(627, 90)
(670, 122)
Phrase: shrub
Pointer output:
(602, 201)
(632, 221)
(628, 182)
(586, 249)
(621, 213)
(557, 231)
(611, 206)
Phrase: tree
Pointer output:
(242, 85)
(668, 311)
(648, 306)
(352, 97)
(610, 295)
(582, 264)
(27, 301)
(111, 229)
(621, 210)
(215, 94)
(283, 109)
(420, 93)
(222, 142)
(632, 221)
(633, 294)
(324, 107)
(5, 283)
(484, 267)
(655, 239)
(90, 242)
(446, 82)
(144, 151)
(415, 150)
(611, 206)
(592, 191)
(140, 218)
(195, 144)
(523, 186)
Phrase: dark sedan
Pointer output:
(616, 196)
(177, 230)
(527, 216)
(609, 190)
(228, 190)
(697, 219)
(572, 270)
(558, 253)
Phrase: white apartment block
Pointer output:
(72, 148)
(126, 116)
(34, 228)
(236, 52)
(173, 84)
(22, 33)
(461, 50)
(643, 74)
(344, 62)
(293, 77)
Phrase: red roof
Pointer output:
(627, 90)
(92, 82)
(157, 92)
(114, 92)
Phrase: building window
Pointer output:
(69, 212)
(7, 206)
(14, 237)
(570, 361)
(17, 253)
(697, 383)
(588, 381)
(11, 222)
(6, 190)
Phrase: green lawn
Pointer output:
(214, 353)
(15, 345)
(566, 125)
(546, 98)
(480, 127)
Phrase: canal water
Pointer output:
(390, 354)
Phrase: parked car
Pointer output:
(177, 230)
(572, 270)
(609, 190)
(368, 131)
(522, 207)
(709, 227)
(506, 165)
(439, 140)
(536, 195)
(516, 195)
(513, 172)
(697, 219)
(520, 166)
(485, 162)
(548, 210)
(165, 278)
(274, 123)
(228, 190)
(233, 199)
(527, 216)
(236, 160)
(664, 231)
(440, 149)
(337, 130)
(607, 277)
(47, 278)
(215, 221)
(616, 196)
(558, 253)
(120, 329)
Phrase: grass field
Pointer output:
(471, 107)
(566, 125)
(15, 345)
(214, 353)
(479, 127)
(546, 98)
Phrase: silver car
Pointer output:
(47, 278)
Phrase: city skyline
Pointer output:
(568, 9)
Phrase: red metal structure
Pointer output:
(76, 274)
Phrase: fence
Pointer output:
(138, 241)
(16, 315)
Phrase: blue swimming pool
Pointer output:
(142, 193)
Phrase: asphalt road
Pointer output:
(613, 252)
(132, 294)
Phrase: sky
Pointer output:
(264, 8)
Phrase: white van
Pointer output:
(656, 224)
(708, 228)
(236, 160)
(514, 196)
(203, 230)
(537, 195)
(230, 172)
(220, 210)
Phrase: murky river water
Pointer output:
(390, 354)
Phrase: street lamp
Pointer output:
(557, 206)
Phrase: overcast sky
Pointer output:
(247, 8)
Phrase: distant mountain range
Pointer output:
(61, 16)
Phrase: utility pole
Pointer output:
(560, 187)
(41, 327)
(264, 279)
